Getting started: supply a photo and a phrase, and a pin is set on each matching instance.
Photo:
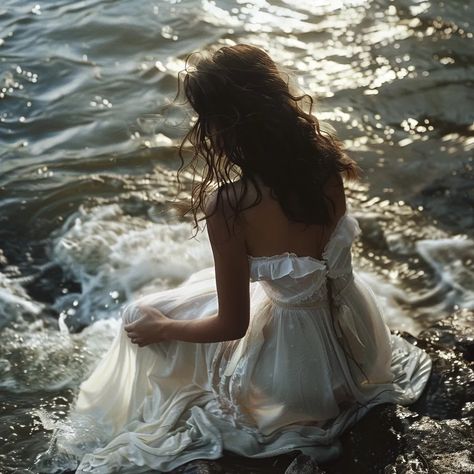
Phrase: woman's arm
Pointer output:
(232, 282)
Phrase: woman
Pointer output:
(282, 347)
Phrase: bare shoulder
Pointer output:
(220, 211)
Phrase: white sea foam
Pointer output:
(14, 301)
(34, 357)
(452, 261)
(116, 257)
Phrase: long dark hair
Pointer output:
(250, 125)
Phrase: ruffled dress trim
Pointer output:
(295, 266)
(285, 264)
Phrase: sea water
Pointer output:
(89, 130)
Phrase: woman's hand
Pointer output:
(149, 329)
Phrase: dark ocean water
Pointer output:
(88, 159)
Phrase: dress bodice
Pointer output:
(289, 279)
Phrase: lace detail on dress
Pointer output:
(310, 303)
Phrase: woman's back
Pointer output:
(268, 231)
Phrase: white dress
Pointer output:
(305, 371)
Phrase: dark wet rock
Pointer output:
(450, 389)
(410, 463)
(455, 332)
(48, 284)
(303, 464)
(200, 467)
(436, 446)
(432, 436)
(371, 444)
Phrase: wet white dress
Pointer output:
(305, 371)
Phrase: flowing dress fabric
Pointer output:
(316, 357)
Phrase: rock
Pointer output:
(443, 447)
(407, 464)
(303, 464)
(455, 332)
(450, 390)
(199, 467)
